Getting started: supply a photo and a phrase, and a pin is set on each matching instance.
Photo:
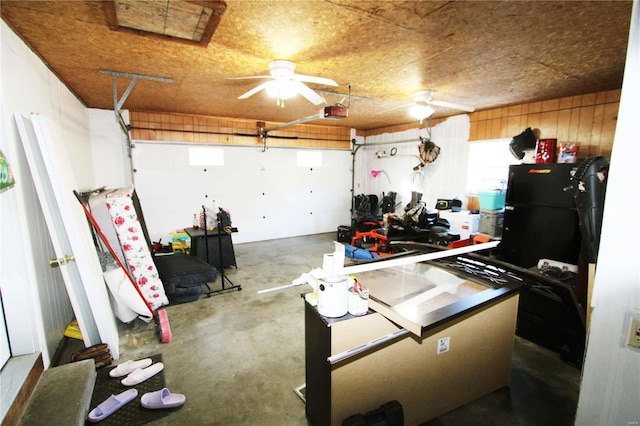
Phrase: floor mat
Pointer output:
(132, 414)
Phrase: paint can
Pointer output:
(358, 302)
(333, 299)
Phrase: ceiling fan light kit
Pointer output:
(286, 84)
(421, 108)
(281, 90)
(421, 111)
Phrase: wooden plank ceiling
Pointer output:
(484, 54)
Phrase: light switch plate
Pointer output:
(634, 333)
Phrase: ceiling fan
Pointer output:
(285, 84)
(421, 105)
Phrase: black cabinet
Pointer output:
(540, 218)
(219, 246)
(541, 222)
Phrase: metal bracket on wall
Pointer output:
(263, 131)
(117, 104)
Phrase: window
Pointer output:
(309, 158)
(206, 157)
(489, 163)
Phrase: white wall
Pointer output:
(444, 178)
(33, 292)
(610, 392)
(267, 194)
(109, 153)
(35, 301)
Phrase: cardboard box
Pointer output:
(462, 222)
(409, 369)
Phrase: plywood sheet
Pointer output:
(488, 55)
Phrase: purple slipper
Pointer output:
(162, 399)
(111, 405)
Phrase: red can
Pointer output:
(546, 150)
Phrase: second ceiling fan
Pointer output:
(284, 83)
(421, 108)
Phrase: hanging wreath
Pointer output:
(428, 152)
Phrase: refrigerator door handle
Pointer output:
(509, 190)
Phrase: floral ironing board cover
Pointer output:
(134, 246)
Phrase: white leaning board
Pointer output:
(70, 235)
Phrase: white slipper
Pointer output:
(141, 374)
(129, 366)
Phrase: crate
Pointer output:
(492, 199)
(491, 222)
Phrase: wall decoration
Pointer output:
(6, 177)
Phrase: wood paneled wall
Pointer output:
(588, 121)
(151, 126)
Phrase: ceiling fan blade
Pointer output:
(255, 90)
(396, 107)
(311, 96)
(317, 80)
(452, 105)
(248, 77)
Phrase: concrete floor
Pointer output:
(237, 356)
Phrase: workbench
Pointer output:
(435, 338)
(215, 257)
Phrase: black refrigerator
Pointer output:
(541, 222)
(540, 217)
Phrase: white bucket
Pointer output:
(333, 300)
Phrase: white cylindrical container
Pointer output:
(358, 302)
(333, 296)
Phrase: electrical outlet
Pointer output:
(634, 333)
(443, 345)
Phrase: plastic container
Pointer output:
(491, 222)
(492, 199)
